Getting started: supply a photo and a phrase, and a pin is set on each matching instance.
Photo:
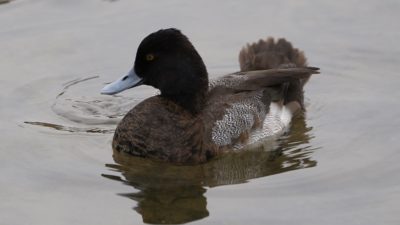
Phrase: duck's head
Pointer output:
(167, 61)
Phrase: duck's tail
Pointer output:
(271, 54)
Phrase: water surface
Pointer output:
(338, 164)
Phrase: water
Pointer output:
(337, 165)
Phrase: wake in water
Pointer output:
(89, 114)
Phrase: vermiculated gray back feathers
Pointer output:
(271, 71)
(239, 118)
(228, 81)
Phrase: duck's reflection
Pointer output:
(171, 205)
(175, 194)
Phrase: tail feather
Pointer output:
(270, 54)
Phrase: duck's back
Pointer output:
(235, 120)
(247, 107)
(231, 117)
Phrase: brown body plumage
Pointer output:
(190, 122)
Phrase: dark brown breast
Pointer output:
(160, 129)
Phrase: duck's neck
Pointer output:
(186, 82)
(190, 92)
(193, 103)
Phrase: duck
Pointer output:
(194, 119)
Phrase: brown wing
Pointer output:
(254, 80)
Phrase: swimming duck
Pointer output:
(194, 119)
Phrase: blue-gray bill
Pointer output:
(128, 81)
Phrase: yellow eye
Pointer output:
(149, 57)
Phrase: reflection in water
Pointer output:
(70, 129)
(172, 205)
(5, 1)
(175, 194)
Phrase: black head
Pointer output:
(168, 61)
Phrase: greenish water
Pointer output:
(338, 164)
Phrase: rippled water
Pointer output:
(338, 164)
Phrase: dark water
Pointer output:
(338, 164)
